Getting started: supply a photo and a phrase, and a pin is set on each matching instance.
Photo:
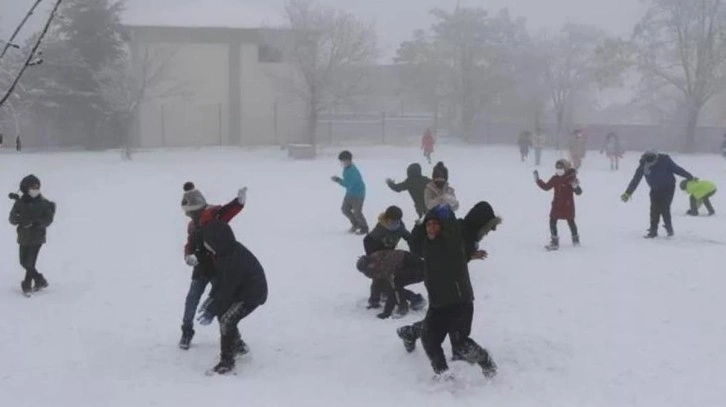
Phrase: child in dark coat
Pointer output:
(479, 222)
(415, 183)
(566, 185)
(397, 269)
(385, 236)
(31, 214)
(195, 254)
(240, 288)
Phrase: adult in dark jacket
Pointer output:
(397, 269)
(447, 281)
(659, 171)
(415, 184)
(239, 289)
(195, 254)
(386, 236)
(31, 214)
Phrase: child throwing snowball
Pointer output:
(566, 185)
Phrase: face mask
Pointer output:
(393, 225)
(34, 193)
(560, 172)
(440, 184)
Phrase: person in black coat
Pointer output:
(32, 214)
(449, 285)
(659, 171)
(415, 183)
(396, 269)
(479, 222)
(240, 288)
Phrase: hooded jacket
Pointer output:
(195, 243)
(700, 189)
(383, 238)
(447, 273)
(240, 277)
(563, 202)
(32, 216)
(435, 196)
(415, 184)
(659, 174)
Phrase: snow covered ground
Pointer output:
(620, 321)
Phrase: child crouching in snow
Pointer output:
(566, 185)
(700, 192)
(398, 269)
(240, 288)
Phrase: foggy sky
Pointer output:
(395, 19)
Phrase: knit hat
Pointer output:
(27, 182)
(393, 213)
(439, 213)
(193, 200)
(440, 171)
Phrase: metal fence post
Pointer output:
(383, 127)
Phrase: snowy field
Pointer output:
(620, 321)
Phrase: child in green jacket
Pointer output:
(700, 192)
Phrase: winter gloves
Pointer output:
(625, 197)
(242, 196)
(336, 179)
(536, 175)
(205, 315)
(191, 260)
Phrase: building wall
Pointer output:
(270, 113)
(203, 81)
(188, 107)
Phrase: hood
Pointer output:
(439, 213)
(479, 217)
(219, 236)
(414, 170)
(28, 182)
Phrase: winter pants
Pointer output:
(353, 210)
(570, 222)
(379, 287)
(454, 321)
(524, 153)
(427, 154)
(196, 290)
(660, 206)
(537, 156)
(229, 333)
(28, 259)
(695, 203)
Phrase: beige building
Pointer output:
(214, 86)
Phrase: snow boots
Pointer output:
(576, 240)
(40, 283)
(186, 339)
(224, 366)
(26, 287)
(407, 335)
(488, 367)
(554, 244)
(418, 302)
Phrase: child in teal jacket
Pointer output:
(355, 194)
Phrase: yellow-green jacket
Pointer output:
(699, 189)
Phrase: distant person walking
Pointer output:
(427, 144)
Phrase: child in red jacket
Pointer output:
(566, 185)
(195, 254)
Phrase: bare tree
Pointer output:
(134, 81)
(11, 42)
(327, 47)
(682, 44)
(33, 57)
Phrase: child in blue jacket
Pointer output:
(355, 194)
